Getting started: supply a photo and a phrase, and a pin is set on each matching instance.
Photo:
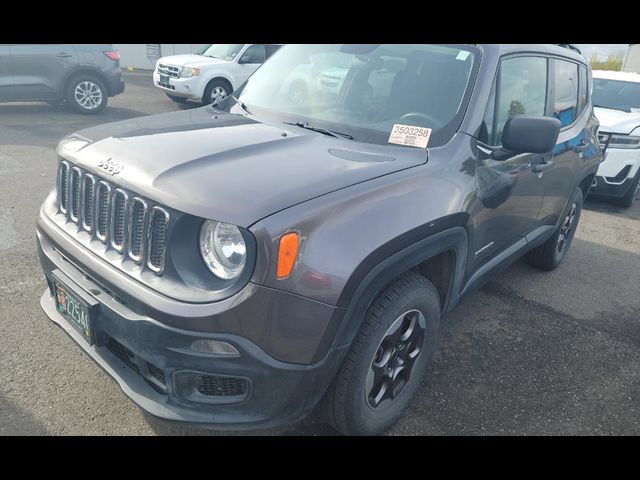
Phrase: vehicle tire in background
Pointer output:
(551, 253)
(387, 360)
(297, 93)
(216, 91)
(627, 200)
(177, 99)
(86, 94)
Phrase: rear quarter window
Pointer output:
(565, 105)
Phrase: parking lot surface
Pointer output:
(530, 353)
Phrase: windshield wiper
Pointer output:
(324, 131)
(613, 108)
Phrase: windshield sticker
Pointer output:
(463, 55)
(410, 136)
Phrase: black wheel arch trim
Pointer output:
(397, 257)
(87, 70)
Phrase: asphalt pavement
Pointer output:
(531, 353)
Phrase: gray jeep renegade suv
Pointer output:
(241, 265)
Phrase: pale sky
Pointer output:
(602, 49)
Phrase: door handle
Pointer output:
(543, 167)
(581, 147)
(64, 55)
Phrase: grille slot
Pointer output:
(74, 193)
(126, 223)
(88, 201)
(102, 210)
(603, 139)
(157, 238)
(216, 386)
(169, 70)
(136, 228)
(63, 187)
(119, 219)
(157, 373)
(123, 353)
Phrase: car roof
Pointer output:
(548, 49)
(624, 76)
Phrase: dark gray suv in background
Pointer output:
(82, 75)
(241, 265)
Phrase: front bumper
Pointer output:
(615, 161)
(180, 87)
(276, 391)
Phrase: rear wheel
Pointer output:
(387, 360)
(551, 253)
(86, 94)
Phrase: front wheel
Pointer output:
(388, 359)
(551, 253)
(216, 91)
(632, 194)
(86, 94)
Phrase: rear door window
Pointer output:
(583, 93)
(565, 92)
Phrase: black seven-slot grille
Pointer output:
(121, 220)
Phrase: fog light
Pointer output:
(215, 347)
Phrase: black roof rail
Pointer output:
(569, 46)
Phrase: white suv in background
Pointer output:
(616, 98)
(211, 74)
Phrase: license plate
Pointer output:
(77, 313)
(164, 79)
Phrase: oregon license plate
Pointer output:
(164, 79)
(77, 313)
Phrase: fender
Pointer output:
(86, 69)
(370, 280)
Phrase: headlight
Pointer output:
(624, 141)
(223, 249)
(188, 72)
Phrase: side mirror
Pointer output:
(530, 134)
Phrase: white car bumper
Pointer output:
(180, 87)
(617, 172)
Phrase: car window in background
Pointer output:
(566, 92)
(364, 90)
(271, 49)
(522, 90)
(584, 89)
(254, 54)
(224, 51)
(616, 94)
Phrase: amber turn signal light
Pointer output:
(287, 253)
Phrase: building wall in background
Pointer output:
(143, 56)
(632, 62)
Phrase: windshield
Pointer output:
(223, 51)
(616, 94)
(364, 90)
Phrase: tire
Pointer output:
(627, 200)
(551, 253)
(355, 403)
(218, 87)
(177, 99)
(94, 102)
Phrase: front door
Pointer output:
(249, 62)
(39, 70)
(508, 192)
(6, 78)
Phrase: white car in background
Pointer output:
(616, 98)
(211, 74)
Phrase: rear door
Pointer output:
(6, 78)
(39, 70)
(569, 102)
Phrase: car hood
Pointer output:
(229, 167)
(617, 121)
(190, 60)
